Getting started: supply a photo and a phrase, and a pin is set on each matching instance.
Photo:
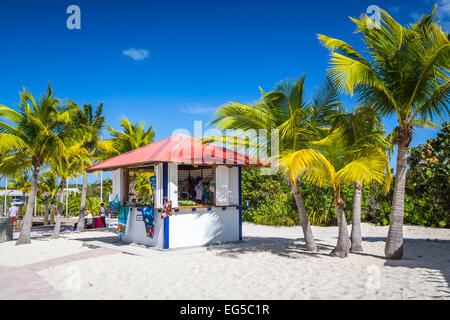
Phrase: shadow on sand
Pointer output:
(283, 247)
(430, 255)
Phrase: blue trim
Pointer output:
(224, 208)
(177, 210)
(194, 209)
(240, 203)
(165, 194)
(209, 209)
(166, 233)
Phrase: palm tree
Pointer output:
(90, 124)
(132, 136)
(340, 164)
(69, 164)
(407, 75)
(21, 182)
(49, 188)
(30, 134)
(362, 129)
(287, 110)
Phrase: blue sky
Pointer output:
(172, 62)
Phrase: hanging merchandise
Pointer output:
(149, 220)
(206, 192)
(198, 191)
(153, 183)
(166, 210)
(114, 205)
(122, 223)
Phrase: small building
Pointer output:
(206, 175)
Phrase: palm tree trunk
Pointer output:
(356, 237)
(304, 221)
(57, 227)
(46, 209)
(394, 243)
(52, 214)
(80, 224)
(25, 233)
(343, 243)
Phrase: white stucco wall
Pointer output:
(118, 185)
(136, 230)
(201, 227)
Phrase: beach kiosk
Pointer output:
(207, 176)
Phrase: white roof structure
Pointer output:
(11, 193)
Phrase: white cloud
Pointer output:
(415, 16)
(198, 109)
(443, 13)
(393, 9)
(136, 54)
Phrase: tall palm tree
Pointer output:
(30, 134)
(89, 124)
(296, 118)
(340, 164)
(406, 74)
(132, 136)
(69, 164)
(22, 182)
(363, 128)
(49, 188)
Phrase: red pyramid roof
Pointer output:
(178, 148)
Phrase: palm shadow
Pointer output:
(432, 255)
(283, 247)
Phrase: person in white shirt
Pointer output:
(103, 213)
(88, 215)
(13, 214)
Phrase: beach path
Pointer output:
(23, 282)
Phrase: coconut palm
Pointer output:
(286, 110)
(341, 164)
(132, 136)
(89, 125)
(142, 186)
(49, 188)
(30, 134)
(363, 128)
(21, 182)
(72, 160)
(406, 74)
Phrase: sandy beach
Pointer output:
(270, 263)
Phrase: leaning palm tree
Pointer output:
(69, 164)
(49, 188)
(286, 110)
(406, 74)
(340, 165)
(132, 136)
(362, 129)
(31, 133)
(89, 124)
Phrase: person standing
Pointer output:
(13, 214)
(103, 214)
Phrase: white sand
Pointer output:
(270, 264)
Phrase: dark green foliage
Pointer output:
(428, 182)
(427, 198)
(270, 199)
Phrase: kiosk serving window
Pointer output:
(196, 185)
